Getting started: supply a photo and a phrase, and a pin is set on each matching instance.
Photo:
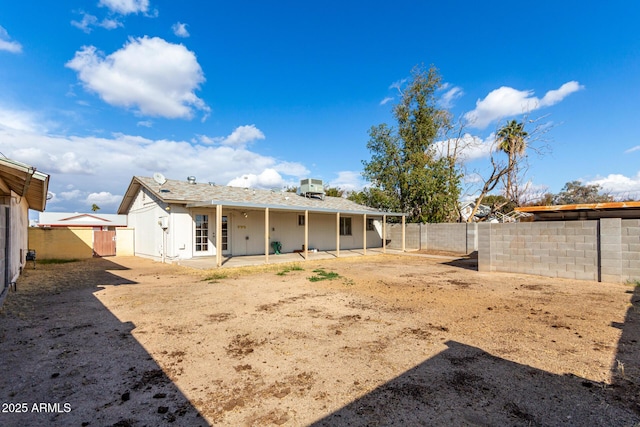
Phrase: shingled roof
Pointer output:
(201, 195)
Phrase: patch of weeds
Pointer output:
(635, 283)
(214, 277)
(289, 269)
(57, 260)
(348, 282)
(321, 274)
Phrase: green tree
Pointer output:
(499, 203)
(406, 172)
(333, 191)
(575, 192)
(512, 139)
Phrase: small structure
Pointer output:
(583, 211)
(95, 221)
(77, 235)
(22, 187)
(466, 208)
(176, 220)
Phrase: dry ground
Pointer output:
(394, 340)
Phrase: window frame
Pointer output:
(346, 226)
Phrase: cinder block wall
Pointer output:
(606, 250)
(630, 249)
(452, 237)
(448, 237)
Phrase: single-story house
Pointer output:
(22, 187)
(175, 219)
(95, 221)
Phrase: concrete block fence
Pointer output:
(460, 238)
(605, 250)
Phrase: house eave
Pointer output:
(231, 204)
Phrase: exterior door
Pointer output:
(205, 235)
(202, 241)
(104, 243)
(225, 235)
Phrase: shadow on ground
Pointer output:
(464, 385)
(81, 366)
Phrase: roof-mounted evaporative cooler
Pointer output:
(311, 188)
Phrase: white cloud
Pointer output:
(104, 198)
(145, 123)
(149, 74)
(242, 135)
(447, 99)
(125, 7)
(89, 21)
(17, 120)
(180, 29)
(386, 100)
(554, 96)
(103, 166)
(619, 185)
(506, 101)
(398, 84)
(471, 147)
(348, 181)
(70, 195)
(292, 169)
(269, 178)
(632, 149)
(7, 44)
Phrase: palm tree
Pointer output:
(512, 139)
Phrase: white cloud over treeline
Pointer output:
(86, 170)
(506, 101)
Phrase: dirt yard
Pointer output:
(386, 340)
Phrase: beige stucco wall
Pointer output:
(61, 243)
(125, 241)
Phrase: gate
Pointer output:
(104, 243)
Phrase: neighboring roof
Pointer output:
(25, 181)
(66, 219)
(483, 210)
(201, 195)
(625, 210)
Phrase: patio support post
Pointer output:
(266, 235)
(306, 235)
(337, 234)
(384, 234)
(403, 233)
(364, 234)
(218, 235)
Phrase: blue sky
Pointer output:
(266, 93)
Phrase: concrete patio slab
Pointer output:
(209, 262)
